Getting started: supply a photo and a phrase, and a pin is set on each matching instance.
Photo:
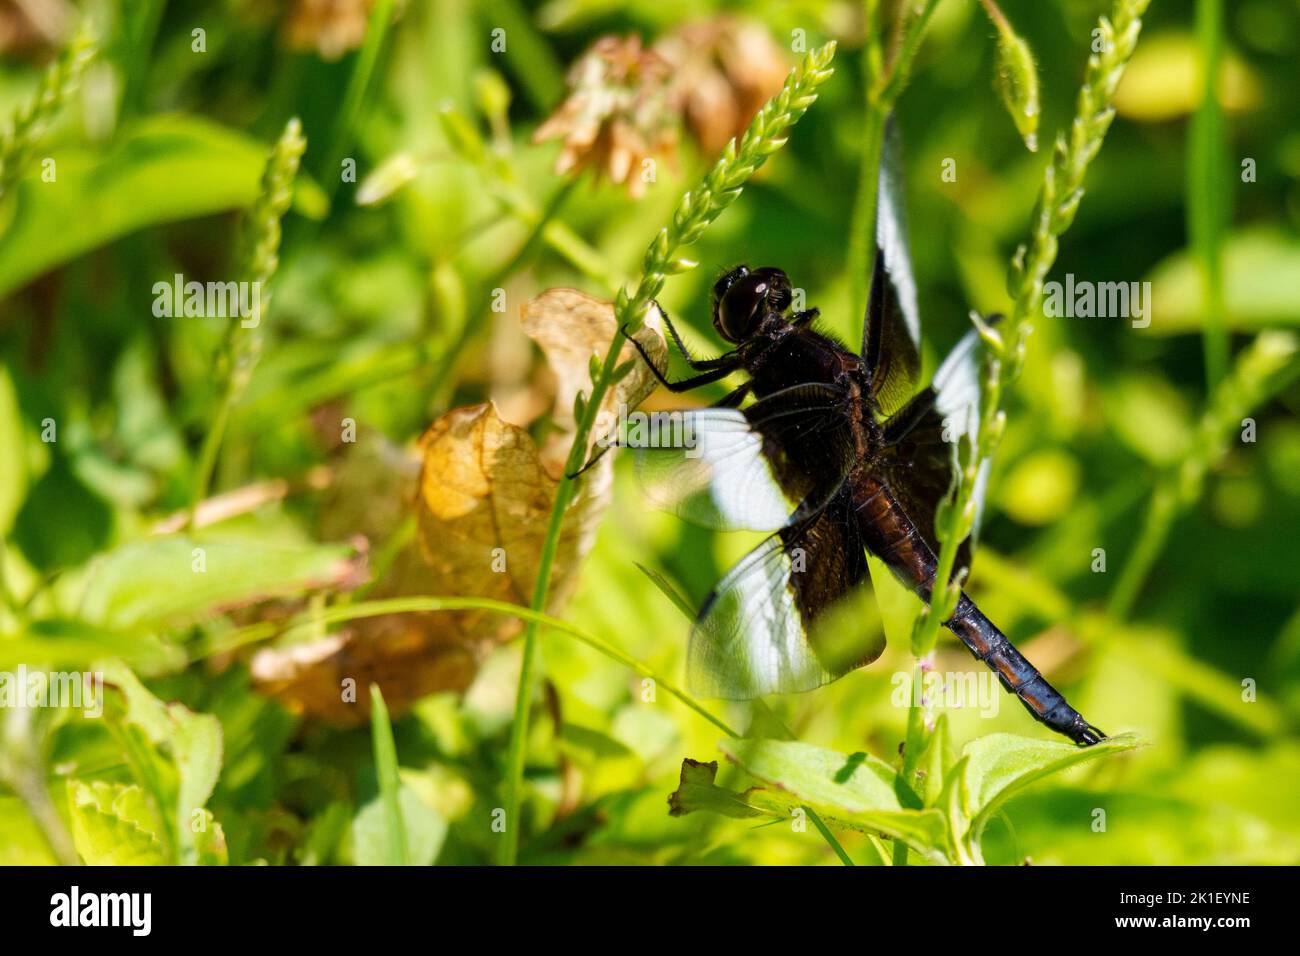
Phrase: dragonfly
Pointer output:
(837, 454)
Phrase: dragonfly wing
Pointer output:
(921, 443)
(741, 469)
(790, 616)
(891, 338)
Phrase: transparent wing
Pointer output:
(920, 456)
(792, 615)
(891, 337)
(733, 469)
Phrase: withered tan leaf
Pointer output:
(570, 327)
(482, 502)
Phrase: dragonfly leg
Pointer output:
(720, 369)
(590, 462)
(1041, 699)
(700, 365)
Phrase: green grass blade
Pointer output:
(669, 590)
(1208, 188)
(381, 735)
(354, 96)
(829, 837)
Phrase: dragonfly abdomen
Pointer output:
(1047, 705)
(892, 536)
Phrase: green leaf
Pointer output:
(190, 743)
(697, 791)
(937, 756)
(74, 645)
(209, 840)
(1145, 825)
(114, 825)
(857, 791)
(1157, 652)
(387, 178)
(62, 522)
(173, 580)
(163, 169)
(997, 766)
(425, 827)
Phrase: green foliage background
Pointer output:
(383, 313)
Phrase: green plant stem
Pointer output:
(918, 722)
(862, 235)
(883, 88)
(696, 211)
(1168, 662)
(354, 97)
(211, 445)
(900, 71)
(528, 55)
(995, 14)
(569, 246)
(5, 596)
(1150, 541)
(343, 134)
(41, 807)
(861, 227)
(1058, 201)
(1262, 370)
(259, 259)
(465, 140)
(563, 241)
(32, 119)
(384, 557)
(23, 740)
(1208, 189)
(918, 717)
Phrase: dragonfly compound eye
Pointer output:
(725, 282)
(741, 307)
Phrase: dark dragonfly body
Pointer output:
(837, 454)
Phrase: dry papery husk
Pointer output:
(482, 491)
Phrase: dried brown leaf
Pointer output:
(570, 327)
(483, 502)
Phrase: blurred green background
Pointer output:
(383, 313)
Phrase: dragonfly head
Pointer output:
(743, 298)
